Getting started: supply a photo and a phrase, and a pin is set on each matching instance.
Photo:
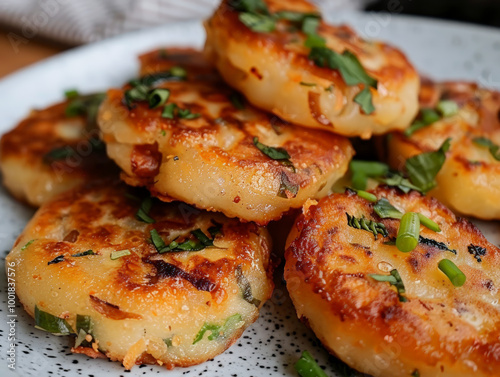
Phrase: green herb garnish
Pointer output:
(237, 100)
(50, 323)
(368, 225)
(428, 116)
(158, 97)
(71, 93)
(27, 245)
(484, 142)
(58, 259)
(118, 254)
(453, 273)
(84, 327)
(59, 153)
(362, 170)
(384, 209)
(408, 232)
(84, 253)
(366, 195)
(218, 331)
(393, 279)
(424, 167)
(201, 242)
(245, 287)
(306, 366)
(287, 189)
(143, 212)
(259, 23)
(364, 99)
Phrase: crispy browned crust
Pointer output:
(23, 152)
(332, 261)
(138, 297)
(467, 165)
(283, 47)
(160, 142)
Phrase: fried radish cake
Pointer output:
(186, 136)
(430, 311)
(53, 150)
(286, 60)
(138, 280)
(469, 181)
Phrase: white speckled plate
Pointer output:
(441, 50)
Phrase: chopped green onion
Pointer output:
(306, 366)
(143, 212)
(428, 223)
(447, 108)
(84, 327)
(27, 245)
(50, 323)
(168, 111)
(259, 23)
(157, 240)
(178, 72)
(187, 114)
(307, 83)
(58, 259)
(408, 232)
(245, 287)
(157, 97)
(394, 279)
(453, 273)
(415, 373)
(202, 237)
(84, 253)
(424, 167)
(252, 6)
(366, 195)
(485, 142)
(118, 254)
(217, 330)
(385, 210)
(71, 93)
(314, 40)
(310, 25)
(361, 170)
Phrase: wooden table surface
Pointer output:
(16, 56)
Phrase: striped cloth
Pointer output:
(75, 22)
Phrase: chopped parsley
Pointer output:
(393, 279)
(484, 142)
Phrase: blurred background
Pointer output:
(31, 30)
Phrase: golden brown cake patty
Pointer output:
(53, 150)
(284, 60)
(204, 145)
(176, 290)
(389, 313)
(469, 181)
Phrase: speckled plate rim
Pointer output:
(442, 50)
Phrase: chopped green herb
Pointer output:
(245, 287)
(178, 72)
(259, 23)
(408, 232)
(168, 111)
(84, 253)
(287, 189)
(477, 252)
(484, 142)
(187, 114)
(364, 99)
(278, 154)
(252, 6)
(50, 323)
(384, 209)
(436, 244)
(362, 170)
(168, 342)
(118, 254)
(428, 223)
(306, 366)
(415, 373)
(368, 225)
(202, 237)
(307, 83)
(393, 279)
(215, 230)
(218, 331)
(424, 167)
(27, 245)
(57, 259)
(447, 108)
(397, 180)
(296, 17)
(314, 40)
(310, 25)
(143, 212)
(84, 327)
(157, 240)
(71, 93)
(237, 100)
(202, 241)
(158, 97)
(453, 273)
(366, 195)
